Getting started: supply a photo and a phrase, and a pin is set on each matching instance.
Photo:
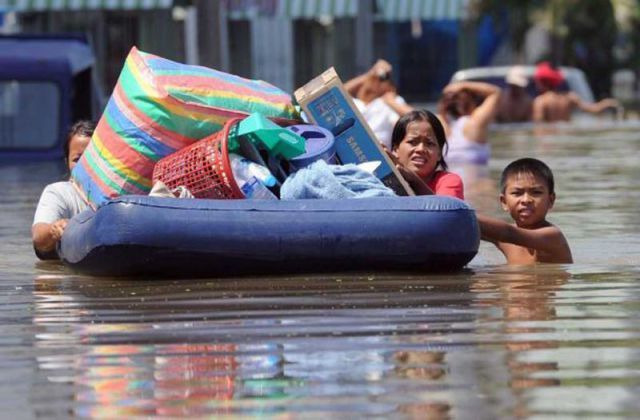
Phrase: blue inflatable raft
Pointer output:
(140, 235)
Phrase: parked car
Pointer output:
(575, 79)
(46, 83)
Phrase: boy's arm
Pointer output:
(547, 239)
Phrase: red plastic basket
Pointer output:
(202, 167)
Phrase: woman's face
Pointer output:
(419, 150)
(77, 144)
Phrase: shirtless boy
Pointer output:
(527, 194)
(552, 105)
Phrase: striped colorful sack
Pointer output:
(157, 107)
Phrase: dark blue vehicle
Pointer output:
(46, 83)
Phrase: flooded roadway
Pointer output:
(491, 342)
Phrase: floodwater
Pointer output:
(494, 341)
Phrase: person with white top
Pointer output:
(466, 110)
(376, 98)
(60, 201)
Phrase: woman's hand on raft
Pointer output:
(57, 229)
(46, 235)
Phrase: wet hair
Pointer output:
(400, 130)
(83, 128)
(531, 166)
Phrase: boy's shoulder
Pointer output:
(543, 243)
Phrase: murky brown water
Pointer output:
(491, 342)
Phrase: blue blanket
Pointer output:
(320, 180)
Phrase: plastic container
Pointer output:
(203, 167)
(276, 140)
(243, 168)
(252, 178)
(254, 189)
(319, 145)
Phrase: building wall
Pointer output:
(318, 46)
(113, 33)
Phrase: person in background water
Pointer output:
(552, 105)
(515, 103)
(375, 96)
(527, 195)
(466, 110)
(60, 201)
(417, 147)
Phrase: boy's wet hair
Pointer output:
(83, 128)
(400, 130)
(531, 166)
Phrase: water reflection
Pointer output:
(527, 304)
(118, 379)
(491, 343)
(424, 366)
(198, 356)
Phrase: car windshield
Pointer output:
(29, 114)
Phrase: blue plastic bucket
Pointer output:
(319, 145)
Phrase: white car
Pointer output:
(575, 79)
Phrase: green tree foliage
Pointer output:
(583, 32)
(521, 15)
(590, 41)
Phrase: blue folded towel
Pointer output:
(320, 180)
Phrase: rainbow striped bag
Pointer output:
(157, 107)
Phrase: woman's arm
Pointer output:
(476, 128)
(380, 67)
(45, 236)
(400, 108)
(481, 89)
(415, 182)
(352, 86)
(484, 114)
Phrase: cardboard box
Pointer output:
(327, 104)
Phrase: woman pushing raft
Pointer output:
(60, 201)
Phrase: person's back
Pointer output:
(527, 195)
(515, 104)
(514, 108)
(553, 106)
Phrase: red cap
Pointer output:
(548, 75)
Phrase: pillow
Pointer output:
(157, 107)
